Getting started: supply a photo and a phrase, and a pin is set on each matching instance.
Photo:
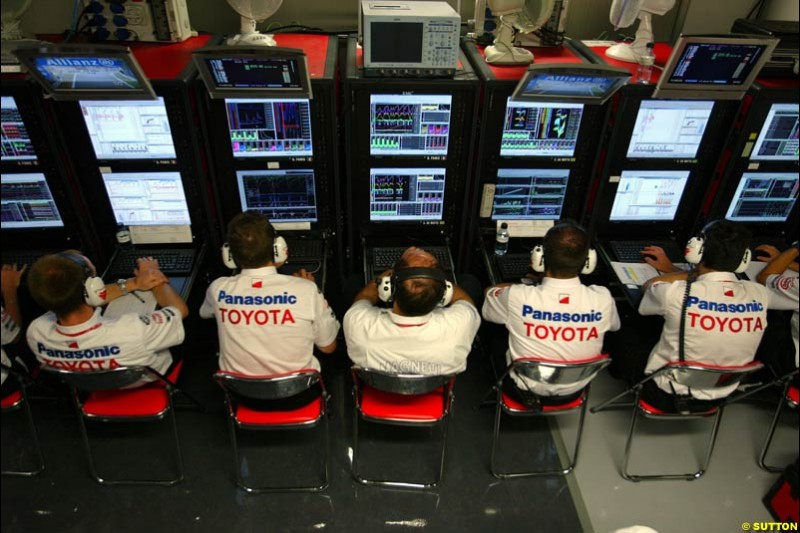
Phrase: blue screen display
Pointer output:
(87, 73)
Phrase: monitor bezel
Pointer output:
(568, 174)
(541, 104)
(762, 136)
(267, 155)
(411, 155)
(766, 173)
(103, 171)
(61, 225)
(239, 172)
(200, 57)
(28, 55)
(412, 170)
(621, 75)
(708, 91)
(637, 157)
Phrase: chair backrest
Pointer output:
(98, 380)
(270, 387)
(554, 372)
(704, 376)
(406, 384)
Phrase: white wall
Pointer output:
(781, 10)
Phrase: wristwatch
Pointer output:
(122, 283)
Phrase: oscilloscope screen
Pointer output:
(412, 194)
(402, 124)
(270, 127)
(532, 129)
(281, 195)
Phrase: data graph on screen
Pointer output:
(269, 128)
(529, 194)
(409, 124)
(28, 203)
(669, 129)
(281, 195)
(535, 129)
(411, 194)
(17, 144)
(649, 195)
(764, 197)
(147, 198)
(778, 139)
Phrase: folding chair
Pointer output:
(274, 387)
(550, 372)
(401, 400)
(691, 374)
(789, 397)
(111, 396)
(19, 400)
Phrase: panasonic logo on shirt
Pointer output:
(706, 305)
(103, 351)
(285, 298)
(535, 314)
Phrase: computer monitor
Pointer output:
(27, 203)
(648, 195)
(281, 195)
(764, 197)
(17, 144)
(529, 194)
(269, 128)
(778, 138)
(711, 67)
(74, 72)
(409, 124)
(588, 84)
(147, 198)
(246, 72)
(669, 129)
(533, 129)
(406, 194)
(128, 129)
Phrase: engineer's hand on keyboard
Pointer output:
(148, 274)
(303, 273)
(656, 257)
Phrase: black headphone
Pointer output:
(94, 289)
(387, 285)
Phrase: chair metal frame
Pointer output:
(405, 385)
(689, 374)
(274, 387)
(556, 372)
(121, 379)
(23, 403)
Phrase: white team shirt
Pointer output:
(268, 323)
(434, 344)
(725, 320)
(783, 295)
(103, 343)
(560, 319)
(8, 332)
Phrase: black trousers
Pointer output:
(284, 404)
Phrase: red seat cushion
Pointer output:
(428, 407)
(514, 405)
(148, 400)
(652, 410)
(792, 396)
(12, 400)
(307, 413)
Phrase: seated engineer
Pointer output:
(724, 317)
(74, 335)
(268, 323)
(776, 351)
(418, 335)
(10, 325)
(559, 320)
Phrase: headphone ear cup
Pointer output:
(448, 294)
(280, 250)
(694, 250)
(537, 258)
(745, 261)
(227, 257)
(591, 262)
(385, 289)
(94, 291)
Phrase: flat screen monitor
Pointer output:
(533, 129)
(648, 195)
(72, 72)
(764, 197)
(409, 194)
(713, 67)
(281, 195)
(269, 128)
(147, 198)
(27, 203)
(778, 138)
(17, 144)
(669, 129)
(409, 124)
(129, 129)
(588, 84)
(529, 194)
(265, 71)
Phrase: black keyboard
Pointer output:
(630, 251)
(305, 249)
(23, 257)
(513, 266)
(178, 261)
(386, 257)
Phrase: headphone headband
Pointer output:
(419, 273)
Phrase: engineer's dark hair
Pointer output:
(724, 245)
(250, 237)
(56, 284)
(417, 296)
(566, 247)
